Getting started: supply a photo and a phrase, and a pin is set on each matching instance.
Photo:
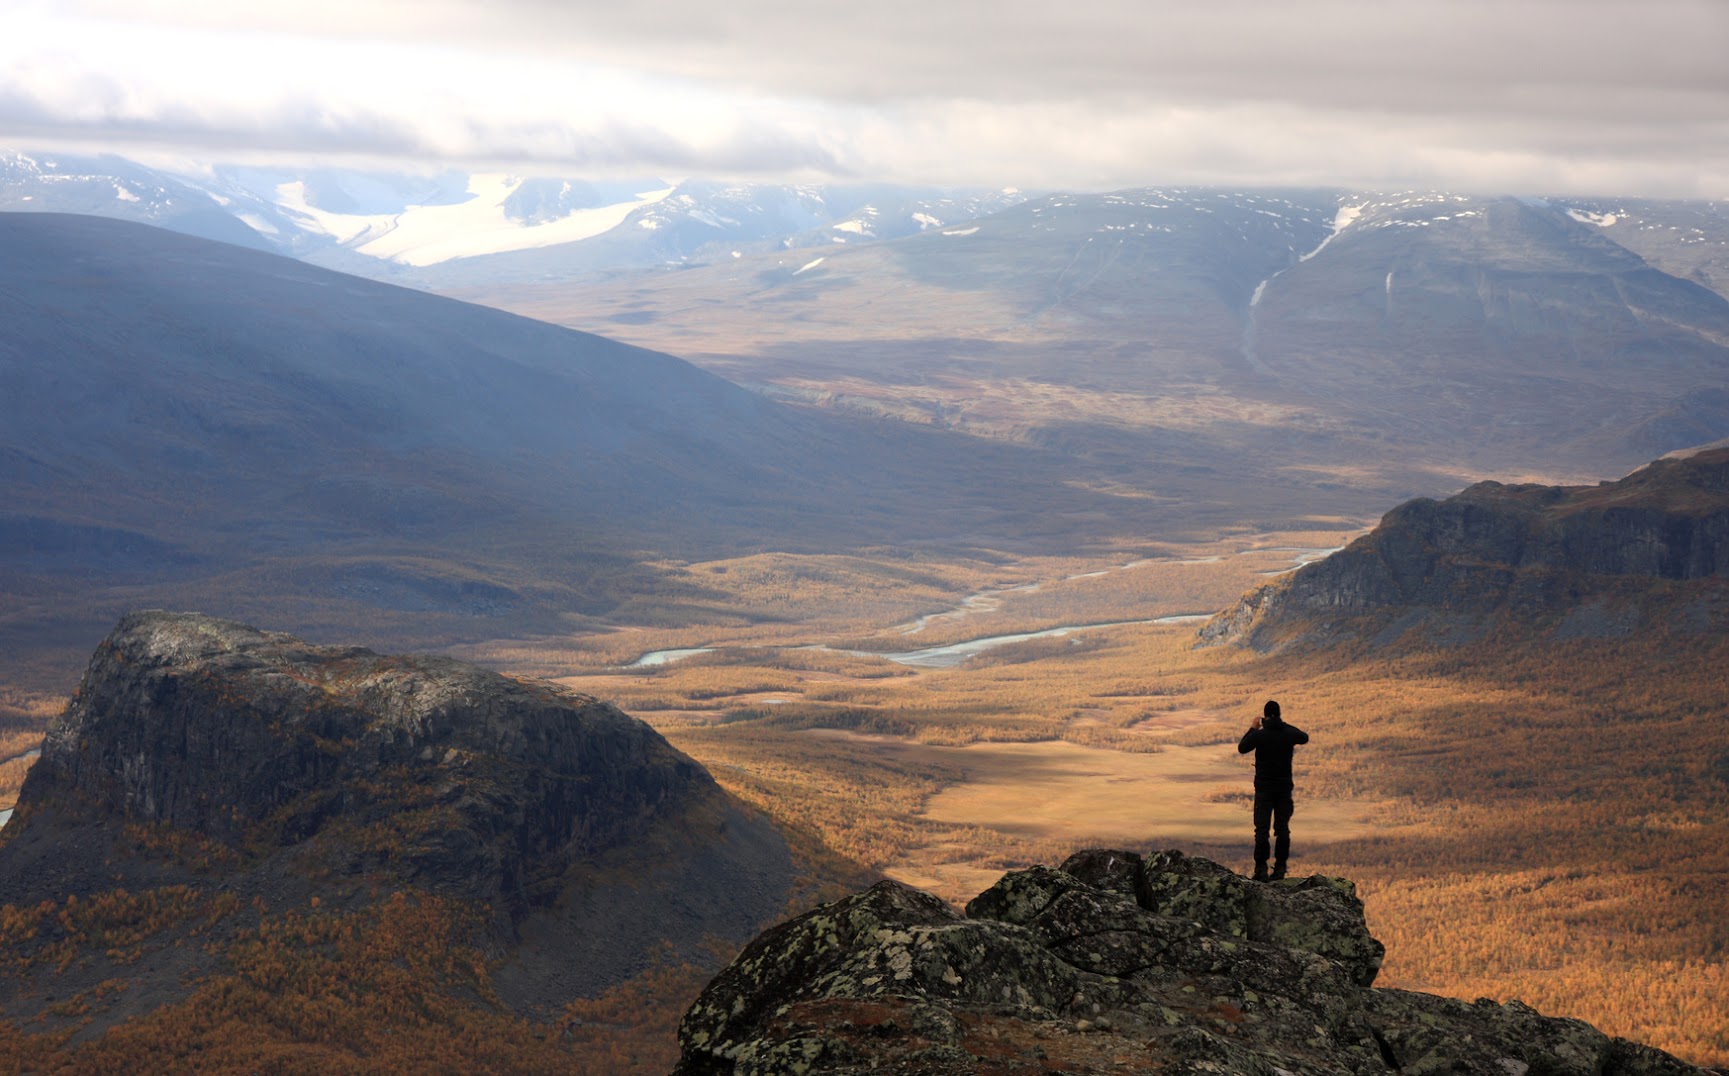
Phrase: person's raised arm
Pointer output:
(1298, 735)
(1250, 739)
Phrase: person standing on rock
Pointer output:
(1273, 743)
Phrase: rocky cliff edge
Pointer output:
(1113, 963)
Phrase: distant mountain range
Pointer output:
(494, 227)
(1346, 333)
(481, 227)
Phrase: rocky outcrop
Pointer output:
(491, 786)
(1526, 550)
(250, 782)
(1115, 962)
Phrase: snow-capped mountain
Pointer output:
(110, 186)
(1445, 327)
(453, 228)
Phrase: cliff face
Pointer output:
(259, 740)
(1532, 550)
(219, 761)
(1113, 963)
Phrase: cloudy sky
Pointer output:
(1569, 96)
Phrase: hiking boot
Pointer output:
(1260, 872)
(1278, 873)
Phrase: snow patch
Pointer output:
(856, 227)
(345, 228)
(963, 231)
(427, 235)
(258, 223)
(703, 216)
(925, 220)
(808, 265)
(1601, 220)
(1343, 219)
(123, 194)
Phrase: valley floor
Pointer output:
(1503, 850)
(1542, 823)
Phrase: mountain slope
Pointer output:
(111, 186)
(223, 813)
(190, 423)
(1600, 561)
(1352, 331)
(1684, 239)
(1496, 321)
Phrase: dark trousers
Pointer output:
(1273, 807)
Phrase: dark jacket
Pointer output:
(1273, 744)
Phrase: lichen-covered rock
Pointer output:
(891, 941)
(1116, 962)
(1317, 914)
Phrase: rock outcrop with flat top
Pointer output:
(1580, 561)
(296, 774)
(257, 739)
(1115, 963)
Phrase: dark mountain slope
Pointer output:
(188, 422)
(1592, 561)
(212, 787)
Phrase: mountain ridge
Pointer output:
(1577, 561)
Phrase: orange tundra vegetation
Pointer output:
(394, 988)
(1550, 820)
(1545, 821)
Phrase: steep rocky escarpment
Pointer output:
(1596, 560)
(1113, 963)
(247, 769)
(257, 740)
